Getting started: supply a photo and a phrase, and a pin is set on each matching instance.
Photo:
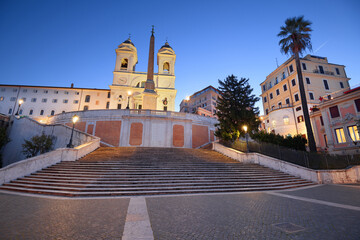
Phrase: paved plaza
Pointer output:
(320, 212)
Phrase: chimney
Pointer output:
(72, 85)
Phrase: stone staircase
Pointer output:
(150, 171)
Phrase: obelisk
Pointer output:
(149, 94)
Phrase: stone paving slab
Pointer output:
(341, 194)
(248, 216)
(26, 217)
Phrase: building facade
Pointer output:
(126, 91)
(202, 102)
(281, 96)
(336, 120)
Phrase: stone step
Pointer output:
(148, 192)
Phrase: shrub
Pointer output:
(296, 142)
(38, 145)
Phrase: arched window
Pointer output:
(87, 98)
(124, 63)
(52, 113)
(141, 84)
(166, 67)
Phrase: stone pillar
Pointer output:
(328, 131)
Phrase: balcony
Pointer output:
(324, 72)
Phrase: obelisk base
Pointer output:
(149, 100)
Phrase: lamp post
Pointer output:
(128, 105)
(20, 102)
(74, 119)
(246, 137)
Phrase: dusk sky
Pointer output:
(56, 43)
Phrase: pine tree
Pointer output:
(236, 108)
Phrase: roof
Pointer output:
(166, 45)
(32, 86)
(205, 89)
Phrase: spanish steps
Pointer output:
(129, 171)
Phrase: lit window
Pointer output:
(340, 136)
(286, 120)
(353, 132)
(273, 123)
(1, 98)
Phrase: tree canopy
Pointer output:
(236, 108)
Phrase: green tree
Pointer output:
(38, 145)
(296, 39)
(236, 108)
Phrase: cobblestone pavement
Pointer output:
(24, 217)
(219, 216)
(249, 216)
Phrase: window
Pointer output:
(287, 101)
(293, 82)
(357, 104)
(267, 111)
(265, 100)
(340, 136)
(65, 101)
(334, 112)
(13, 99)
(46, 91)
(86, 108)
(76, 101)
(270, 85)
(41, 112)
(124, 63)
(166, 67)
(33, 100)
(276, 81)
(341, 84)
(300, 119)
(10, 110)
(3, 89)
(307, 80)
(321, 69)
(1, 98)
(271, 96)
(326, 85)
(97, 102)
(25, 90)
(304, 66)
(277, 92)
(56, 92)
(24, 99)
(283, 75)
(291, 68)
(321, 121)
(285, 87)
(31, 112)
(44, 100)
(353, 132)
(52, 113)
(66, 92)
(311, 96)
(264, 88)
(272, 107)
(108, 95)
(15, 90)
(286, 120)
(54, 100)
(119, 106)
(107, 105)
(87, 98)
(296, 97)
(165, 108)
(337, 71)
(77, 93)
(279, 104)
(298, 109)
(63, 112)
(35, 91)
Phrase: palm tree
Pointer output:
(295, 39)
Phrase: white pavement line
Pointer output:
(137, 224)
(316, 201)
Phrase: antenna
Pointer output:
(277, 64)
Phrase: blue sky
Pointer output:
(56, 43)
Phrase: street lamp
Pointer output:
(74, 119)
(129, 94)
(246, 137)
(187, 98)
(20, 102)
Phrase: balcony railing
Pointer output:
(324, 72)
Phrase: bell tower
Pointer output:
(166, 60)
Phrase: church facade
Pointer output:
(126, 91)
